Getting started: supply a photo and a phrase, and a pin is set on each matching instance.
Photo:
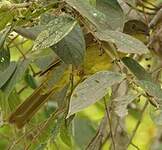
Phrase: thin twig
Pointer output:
(135, 146)
(141, 11)
(45, 125)
(153, 7)
(109, 120)
(20, 5)
(101, 135)
(156, 18)
(138, 123)
(4, 137)
(14, 143)
(24, 57)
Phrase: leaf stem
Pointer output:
(109, 120)
(138, 123)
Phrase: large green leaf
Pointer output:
(16, 77)
(71, 49)
(125, 43)
(113, 11)
(5, 75)
(136, 69)
(144, 79)
(92, 89)
(55, 30)
(96, 17)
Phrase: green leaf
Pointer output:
(56, 128)
(16, 77)
(97, 18)
(3, 103)
(125, 43)
(5, 75)
(3, 36)
(55, 30)
(152, 88)
(13, 100)
(5, 17)
(4, 58)
(30, 80)
(84, 131)
(30, 33)
(9, 104)
(113, 11)
(144, 79)
(46, 18)
(71, 49)
(120, 104)
(136, 69)
(65, 135)
(92, 89)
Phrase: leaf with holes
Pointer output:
(136, 69)
(71, 49)
(92, 89)
(55, 30)
(144, 79)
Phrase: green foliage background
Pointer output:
(37, 48)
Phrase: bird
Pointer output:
(32, 104)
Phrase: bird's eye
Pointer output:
(133, 26)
